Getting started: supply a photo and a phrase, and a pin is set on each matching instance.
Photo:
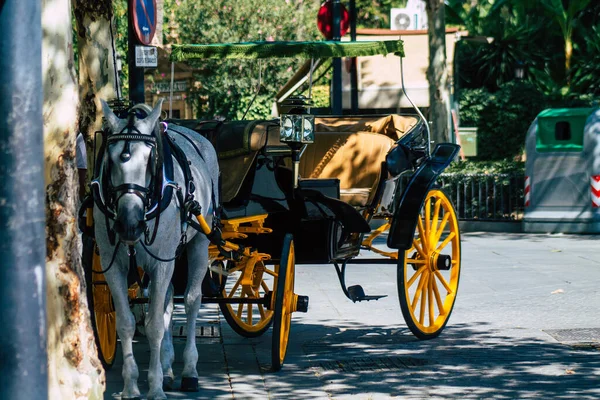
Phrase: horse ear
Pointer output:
(151, 120)
(109, 115)
(155, 114)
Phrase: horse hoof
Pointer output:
(189, 384)
(167, 383)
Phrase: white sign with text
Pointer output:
(146, 56)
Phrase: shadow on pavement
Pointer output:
(465, 362)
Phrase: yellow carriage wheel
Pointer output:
(429, 272)
(249, 320)
(285, 303)
(102, 310)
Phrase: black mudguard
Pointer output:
(408, 204)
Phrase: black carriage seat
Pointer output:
(237, 144)
(352, 149)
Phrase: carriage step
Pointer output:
(357, 293)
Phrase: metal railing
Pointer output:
(485, 197)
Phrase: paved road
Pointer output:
(505, 339)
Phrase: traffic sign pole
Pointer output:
(353, 69)
(136, 74)
(336, 84)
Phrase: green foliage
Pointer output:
(226, 88)
(120, 32)
(375, 13)
(320, 96)
(586, 65)
(483, 64)
(471, 103)
(504, 123)
(467, 14)
(536, 32)
(486, 167)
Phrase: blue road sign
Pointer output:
(144, 19)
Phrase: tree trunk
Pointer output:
(96, 65)
(437, 74)
(157, 40)
(74, 371)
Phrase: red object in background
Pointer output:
(325, 20)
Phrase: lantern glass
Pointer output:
(297, 128)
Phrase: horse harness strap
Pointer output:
(156, 201)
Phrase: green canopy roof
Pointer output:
(254, 50)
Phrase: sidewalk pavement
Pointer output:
(526, 324)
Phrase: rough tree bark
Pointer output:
(96, 66)
(74, 369)
(437, 74)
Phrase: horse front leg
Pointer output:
(160, 279)
(197, 264)
(117, 281)
(167, 352)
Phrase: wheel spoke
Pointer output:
(424, 299)
(434, 220)
(427, 216)
(272, 273)
(445, 242)
(419, 249)
(261, 311)
(241, 305)
(443, 280)
(441, 228)
(438, 299)
(430, 300)
(418, 292)
(421, 234)
(234, 289)
(249, 314)
(264, 285)
(415, 276)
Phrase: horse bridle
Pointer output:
(116, 192)
(108, 196)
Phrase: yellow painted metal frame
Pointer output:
(368, 242)
(237, 228)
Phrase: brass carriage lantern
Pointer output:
(297, 129)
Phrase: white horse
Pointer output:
(125, 215)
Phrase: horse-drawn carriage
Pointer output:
(294, 190)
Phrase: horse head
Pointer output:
(131, 164)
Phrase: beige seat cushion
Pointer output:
(353, 158)
(393, 126)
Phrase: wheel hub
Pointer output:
(444, 262)
(440, 262)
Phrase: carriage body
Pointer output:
(362, 177)
(344, 180)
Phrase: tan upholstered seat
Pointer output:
(352, 149)
(353, 158)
